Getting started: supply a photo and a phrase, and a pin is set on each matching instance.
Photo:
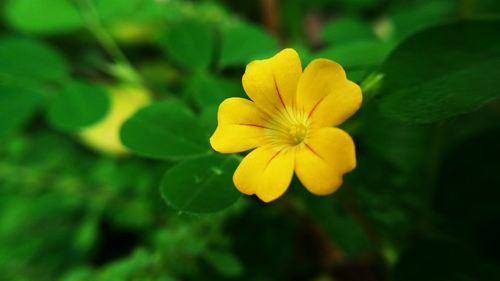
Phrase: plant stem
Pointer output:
(371, 85)
(123, 69)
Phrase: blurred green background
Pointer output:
(106, 107)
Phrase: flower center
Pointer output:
(298, 133)
(287, 129)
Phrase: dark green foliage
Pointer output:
(420, 205)
(443, 71)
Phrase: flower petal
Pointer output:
(325, 94)
(240, 126)
(326, 156)
(272, 83)
(265, 172)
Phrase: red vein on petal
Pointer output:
(312, 150)
(315, 106)
(278, 91)
(274, 156)
(253, 125)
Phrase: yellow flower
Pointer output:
(104, 136)
(290, 123)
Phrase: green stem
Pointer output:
(371, 85)
(123, 69)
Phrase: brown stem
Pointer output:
(270, 16)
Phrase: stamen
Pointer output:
(298, 133)
(287, 128)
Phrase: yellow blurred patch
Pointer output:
(104, 136)
(132, 32)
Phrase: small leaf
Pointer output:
(190, 43)
(165, 130)
(201, 185)
(43, 16)
(243, 43)
(77, 105)
(442, 71)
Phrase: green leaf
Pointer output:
(201, 185)
(358, 54)
(190, 43)
(78, 105)
(207, 90)
(339, 224)
(225, 263)
(442, 71)
(24, 59)
(208, 118)
(414, 17)
(26, 65)
(165, 130)
(43, 16)
(243, 43)
(347, 29)
(17, 104)
(130, 10)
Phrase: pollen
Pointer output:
(287, 128)
(298, 133)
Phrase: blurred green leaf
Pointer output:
(23, 59)
(189, 43)
(442, 71)
(201, 185)
(225, 263)
(358, 54)
(165, 130)
(25, 66)
(346, 29)
(243, 42)
(340, 225)
(128, 268)
(304, 53)
(87, 234)
(78, 105)
(77, 274)
(207, 89)
(208, 118)
(128, 11)
(416, 16)
(43, 16)
(17, 104)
